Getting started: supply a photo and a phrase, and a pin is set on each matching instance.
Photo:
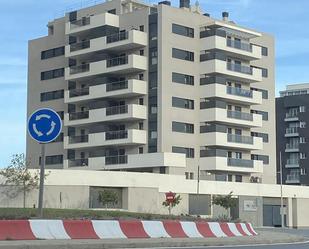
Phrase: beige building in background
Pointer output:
(156, 88)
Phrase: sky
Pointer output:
(23, 20)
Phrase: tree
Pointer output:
(225, 201)
(107, 197)
(172, 203)
(18, 175)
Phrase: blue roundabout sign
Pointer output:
(44, 125)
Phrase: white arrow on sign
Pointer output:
(53, 124)
(36, 130)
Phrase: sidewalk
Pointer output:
(264, 237)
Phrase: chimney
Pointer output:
(225, 16)
(184, 4)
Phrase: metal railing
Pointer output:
(79, 92)
(292, 161)
(239, 68)
(80, 22)
(291, 130)
(295, 177)
(292, 146)
(291, 114)
(234, 138)
(240, 162)
(111, 135)
(78, 115)
(240, 115)
(239, 45)
(117, 37)
(114, 86)
(80, 45)
(114, 110)
(83, 162)
(79, 69)
(78, 139)
(120, 159)
(239, 92)
(122, 60)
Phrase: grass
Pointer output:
(49, 213)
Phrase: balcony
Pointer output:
(109, 138)
(291, 132)
(118, 42)
(233, 71)
(291, 116)
(132, 161)
(122, 89)
(292, 148)
(91, 22)
(233, 94)
(129, 112)
(124, 64)
(293, 178)
(225, 164)
(292, 163)
(231, 141)
(228, 117)
(245, 51)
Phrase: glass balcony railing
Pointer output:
(291, 115)
(122, 60)
(79, 69)
(292, 146)
(240, 162)
(239, 92)
(295, 177)
(292, 161)
(120, 159)
(234, 138)
(80, 23)
(79, 46)
(212, 32)
(114, 86)
(240, 115)
(239, 45)
(78, 139)
(115, 110)
(239, 68)
(83, 162)
(291, 130)
(111, 135)
(78, 115)
(117, 37)
(79, 92)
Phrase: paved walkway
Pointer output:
(264, 237)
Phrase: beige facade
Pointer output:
(141, 85)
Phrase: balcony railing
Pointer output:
(212, 32)
(295, 177)
(79, 92)
(78, 139)
(80, 23)
(80, 45)
(292, 146)
(114, 86)
(121, 159)
(234, 138)
(292, 161)
(111, 135)
(239, 45)
(240, 115)
(114, 110)
(291, 114)
(239, 68)
(122, 60)
(117, 37)
(291, 130)
(240, 162)
(78, 115)
(83, 162)
(79, 69)
(239, 92)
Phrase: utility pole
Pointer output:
(281, 192)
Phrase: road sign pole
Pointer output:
(42, 177)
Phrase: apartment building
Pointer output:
(156, 88)
(292, 134)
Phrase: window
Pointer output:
(141, 76)
(189, 175)
(264, 72)
(61, 114)
(302, 140)
(263, 158)
(183, 54)
(183, 103)
(238, 178)
(141, 52)
(153, 56)
(264, 92)
(112, 11)
(141, 126)
(302, 108)
(183, 78)
(262, 135)
(58, 139)
(141, 28)
(46, 96)
(52, 53)
(302, 124)
(153, 134)
(56, 73)
(189, 152)
(182, 30)
(264, 114)
(264, 51)
(49, 160)
(182, 127)
(140, 150)
(230, 178)
(302, 155)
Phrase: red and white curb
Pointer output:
(114, 229)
